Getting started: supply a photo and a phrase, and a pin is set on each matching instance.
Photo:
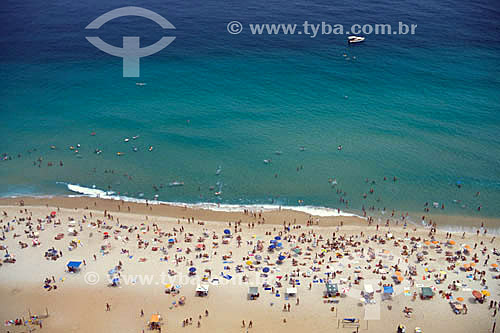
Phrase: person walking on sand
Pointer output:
(243, 323)
(250, 324)
(142, 313)
(108, 307)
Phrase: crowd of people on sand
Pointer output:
(313, 256)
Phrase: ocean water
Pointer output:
(424, 108)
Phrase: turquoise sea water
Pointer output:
(424, 108)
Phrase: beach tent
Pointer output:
(155, 322)
(253, 293)
(291, 291)
(426, 292)
(332, 289)
(368, 289)
(388, 292)
(202, 290)
(74, 266)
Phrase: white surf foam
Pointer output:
(311, 210)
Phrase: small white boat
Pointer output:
(267, 161)
(140, 84)
(218, 193)
(219, 170)
(174, 184)
(355, 39)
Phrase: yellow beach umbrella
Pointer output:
(485, 293)
(249, 262)
(168, 285)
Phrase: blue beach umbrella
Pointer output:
(171, 240)
(277, 238)
(272, 241)
(272, 246)
(266, 269)
(279, 245)
(281, 258)
(192, 269)
(227, 231)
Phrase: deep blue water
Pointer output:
(423, 107)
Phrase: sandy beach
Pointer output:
(148, 250)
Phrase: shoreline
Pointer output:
(273, 214)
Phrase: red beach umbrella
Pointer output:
(477, 294)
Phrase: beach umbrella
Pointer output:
(266, 269)
(460, 299)
(466, 266)
(435, 242)
(281, 258)
(279, 245)
(277, 238)
(168, 286)
(200, 246)
(53, 213)
(400, 278)
(451, 242)
(249, 262)
(272, 246)
(494, 265)
(272, 241)
(171, 240)
(477, 294)
(485, 293)
(472, 264)
(427, 243)
(227, 231)
(192, 269)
